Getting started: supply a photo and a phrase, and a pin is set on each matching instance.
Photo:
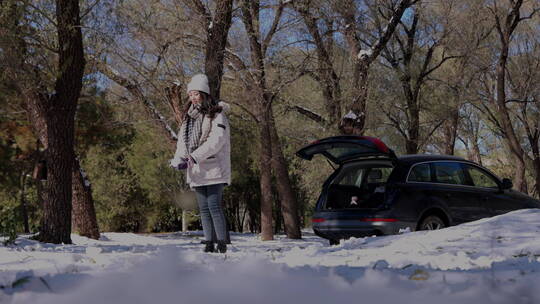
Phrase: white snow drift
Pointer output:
(495, 260)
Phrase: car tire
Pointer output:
(432, 222)
(333, 242)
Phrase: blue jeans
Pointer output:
(212, 216)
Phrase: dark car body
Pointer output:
(374, 192)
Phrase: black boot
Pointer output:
(221, 246)
(208, 246)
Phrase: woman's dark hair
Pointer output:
(209, 106)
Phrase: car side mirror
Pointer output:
(506, 184)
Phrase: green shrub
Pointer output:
(9, 221)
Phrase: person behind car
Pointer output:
(349, 125)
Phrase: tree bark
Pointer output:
(216, 41)
(59, 110)
(519, 173)
(289, 204)
(326, 74)
(413, 128)
(23, 206)
(52, 114)
(363, 60)
(450, 132)
(215, 45)
(56, 222)
(266, 178)
(83, 216)
(505, 30)
(262, 103)
(536, 163)
(477, 156)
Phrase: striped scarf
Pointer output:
(193, 130)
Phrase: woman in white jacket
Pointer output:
(203, 149)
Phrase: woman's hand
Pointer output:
(190, 162)
(181, 165)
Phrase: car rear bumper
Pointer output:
(346, 228)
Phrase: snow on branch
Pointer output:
(365, 53)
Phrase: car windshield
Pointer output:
(359, 186)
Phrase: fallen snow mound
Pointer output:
(495, 260)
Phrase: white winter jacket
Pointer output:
(212, 157)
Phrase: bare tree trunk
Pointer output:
(266, 178)
(505, 29)
(23, 207)
(56, 222)
(83, 216)
(59, 112)
(52, 114)
(471, 130)
(519, 174)
(477, 156)
(289, 204)
(262, 104)
(360, 79)
(537, 175)
(413, 130)
(362, 60)
(215, 45)
(450, 133)
(326, 74)
(216, 42)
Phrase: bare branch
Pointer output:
(201, 10)
(309, 114)
(533, 100)
(389, 30)
(273, 29)
(135, 90)
(90, 8)
(245, 109)
(439, 65)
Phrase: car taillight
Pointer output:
(378, 220)
(317, 220)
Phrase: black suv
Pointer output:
(374, 192)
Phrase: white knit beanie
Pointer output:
(199, 82)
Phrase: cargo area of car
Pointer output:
(358, 185)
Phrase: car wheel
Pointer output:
(333, 242)
(432, 222)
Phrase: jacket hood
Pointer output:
(225, 106)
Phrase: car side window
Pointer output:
(450, 173)
(481, 178)
(420, 173)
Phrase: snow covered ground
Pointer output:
(494, 260)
